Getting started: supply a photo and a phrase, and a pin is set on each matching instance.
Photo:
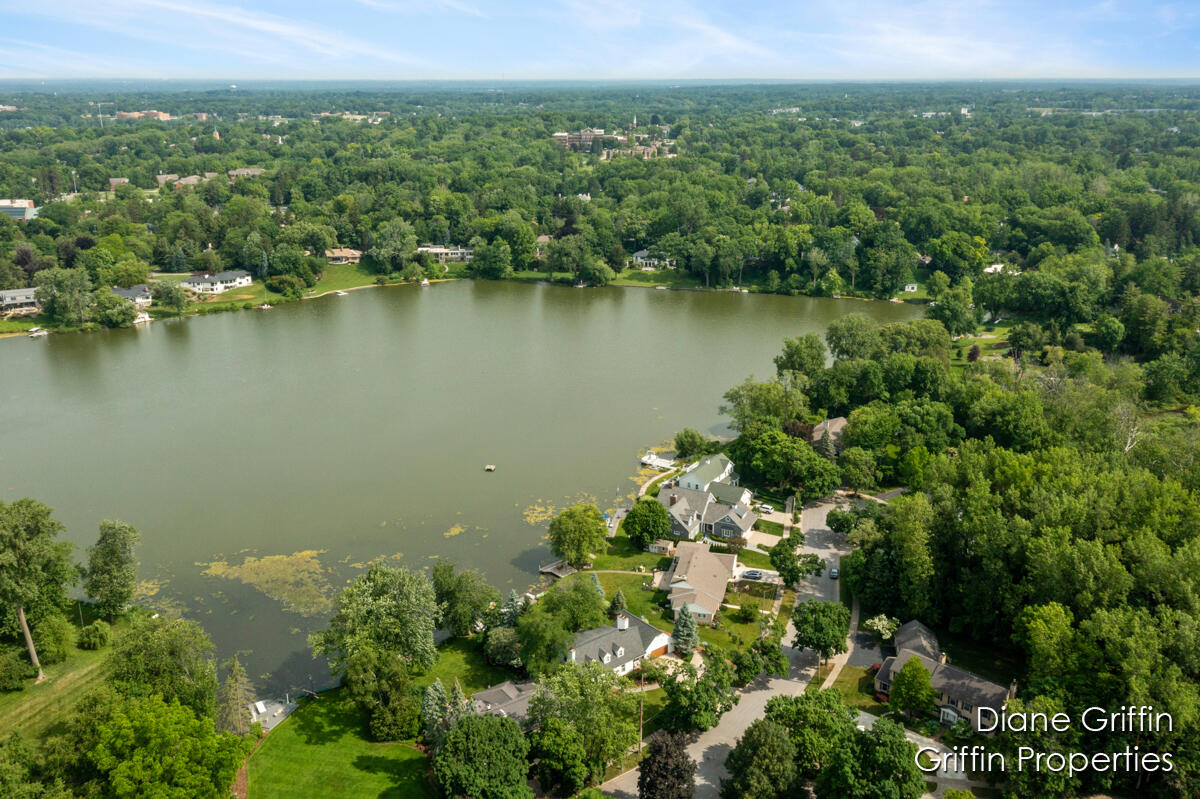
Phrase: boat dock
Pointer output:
(557, 569)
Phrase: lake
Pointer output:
(267, 456)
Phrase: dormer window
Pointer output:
(607, 657)
(620, 651)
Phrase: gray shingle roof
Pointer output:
(506, 699)
(220, 277)
(955, 683)
(141, 292)
(631, 643)
(916, 636)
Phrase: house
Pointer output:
(444, 254)
(621, 646)
(245, 172)
(18, 300)
(993, 269)
(114, 182)
(835, 426)
(645, 259)
(218, 283)
(343, 255)
(139, 295)
(960, 692)
(20, 210)
(706, 500)
(165, 179)
(910, 287)
(540, 245)
(698, 578)
(509, 699)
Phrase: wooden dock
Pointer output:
(557, 569)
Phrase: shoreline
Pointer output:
(194, 312)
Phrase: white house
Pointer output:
(644, 258)
(444, 254)
(13, 300)
(621, 646)
(218, 283)
(713, 469)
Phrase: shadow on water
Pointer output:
(299, 672)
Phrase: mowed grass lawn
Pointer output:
(857, 688)
(461, 659)
(640, 602)
(322, 750)
(621, 554)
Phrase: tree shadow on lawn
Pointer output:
(325, 719)
(409, 777)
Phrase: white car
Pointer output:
(766, 508)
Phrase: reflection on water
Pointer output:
(294, 445)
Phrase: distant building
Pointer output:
(139, 295)
(18, 300)
(707, 501)
(165, 179)
(343, 255)
(835, 426)
(20, 210)
(622, 646)
(218, 283)
(444, 254)
(114, 182)
(960, 693)
(644, 258)
(245, 172)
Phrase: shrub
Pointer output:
(287, 285)
(54, 638)
(14, 670)
(95, 636)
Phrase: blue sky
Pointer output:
(600, 39)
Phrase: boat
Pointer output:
(895, 299)
(265, 307)
(424, 282)
(39, 333)
(34, 329)
(491, 467)
(142, 318)
(661, 288)
(340, 293)
(580, 285)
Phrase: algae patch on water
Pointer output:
(297, 580)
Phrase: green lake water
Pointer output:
(357, 427)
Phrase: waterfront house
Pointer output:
(621, 646)
(698, 578)
(18, 300)
(218, 283)
(835, 426)
(343, 255)
(18, 210)
(444, 254)
(645, 259)
(960, 693)
(707, 500)
(139, 295)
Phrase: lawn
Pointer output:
(623, 555)
(857, 688)
(14, 327)
(652, 491)
(37, 710)
(755, 560)
(641, 603)
(769, 527)
(322, 750)
(672, 278)
(460, 659)
(338, 277)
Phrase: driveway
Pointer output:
(827, 545)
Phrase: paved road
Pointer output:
(709, 749)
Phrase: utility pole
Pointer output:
(99, 111)
(641, 709)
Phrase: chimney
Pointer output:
(674, 499)
(622, 622)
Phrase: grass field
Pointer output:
(641, 603)
(339, 277)
(460, 659)
(622, 554)
(769, 527)
(672, 278)
(13, 327)
(39, 709)
(858, 690)
(325, 740)
(755, 560)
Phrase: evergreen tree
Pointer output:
(512, 609)
(599, 588)
(685, 634)
(825, 446)
(433, 711)
(618, 603)
(233, 704)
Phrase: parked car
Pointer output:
(766, 508)
(753, 574)
(833, 573)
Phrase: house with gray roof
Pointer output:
(218, 283)
(834, 427)
(139, 295)
(509, 699)
(13, 300)
(960, 693)
(706, 500)
(621, 646)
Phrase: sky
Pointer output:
(599, 39)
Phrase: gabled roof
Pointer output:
(699, 577)
(632, 643)
(506, 699)
(916, 636)
(955, 683)
(834, 426)
(140, 292)
(220, 277)
(727, 493)
(689, 506)
(709, 469)
(739, 514)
